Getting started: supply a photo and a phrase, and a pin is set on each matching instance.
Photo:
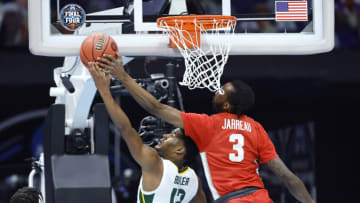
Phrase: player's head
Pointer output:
(238, 98)
(175, 146)
(26, 195)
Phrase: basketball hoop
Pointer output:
(204, 65)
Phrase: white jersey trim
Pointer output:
(212, 188)
(162, 177)
(165, 173)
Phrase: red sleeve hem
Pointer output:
(188, 124)
(185, 123)
(269, 159)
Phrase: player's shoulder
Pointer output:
(222, 115)
(194, 115)
(192, 171)
(249, 119)
(255, 125)
(243, 117)
(169, 164)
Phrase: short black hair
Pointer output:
(242, 98)
(191, 149)
(26, 195)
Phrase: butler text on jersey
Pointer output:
(181, 180)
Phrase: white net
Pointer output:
(204, 64)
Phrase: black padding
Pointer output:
(75, 178)
(101, 129)
(54, 130)
(81, 178)
(53, 143)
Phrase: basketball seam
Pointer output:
(83, 53)
(107, 36)
(93, 47)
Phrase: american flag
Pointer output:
(291, 11)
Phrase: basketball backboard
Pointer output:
(132, 23)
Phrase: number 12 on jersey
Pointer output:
(238, 139)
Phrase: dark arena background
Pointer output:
(307, 104)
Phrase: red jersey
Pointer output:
(232, 149)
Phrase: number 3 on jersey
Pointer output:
(238, 139)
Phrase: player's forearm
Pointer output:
(122, 122)
(292, 182)
(142, 97)
(117, 115)
(298, 190)
(134, 143)
(151, 104)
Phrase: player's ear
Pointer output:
(180, 150)
(226, 106)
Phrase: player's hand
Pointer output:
(112, 65)
(102, 81)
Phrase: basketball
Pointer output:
(96, 45)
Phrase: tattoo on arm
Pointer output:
(292, 182)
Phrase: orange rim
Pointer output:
(189, 22)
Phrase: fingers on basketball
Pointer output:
(104, 60)
(91, 68)
(97, 45)
(105, 67)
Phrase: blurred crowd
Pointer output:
(14, 26)
(347, 24)
(13, 23)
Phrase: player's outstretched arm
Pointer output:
(200, 195)
(292, 182)
(145, 156)
(114, 66)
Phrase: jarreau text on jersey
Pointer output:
(234, 124)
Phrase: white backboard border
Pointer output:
(42, 42)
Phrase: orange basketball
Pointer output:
(72, 26)
(96, 45)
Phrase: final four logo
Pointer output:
(72, 16)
